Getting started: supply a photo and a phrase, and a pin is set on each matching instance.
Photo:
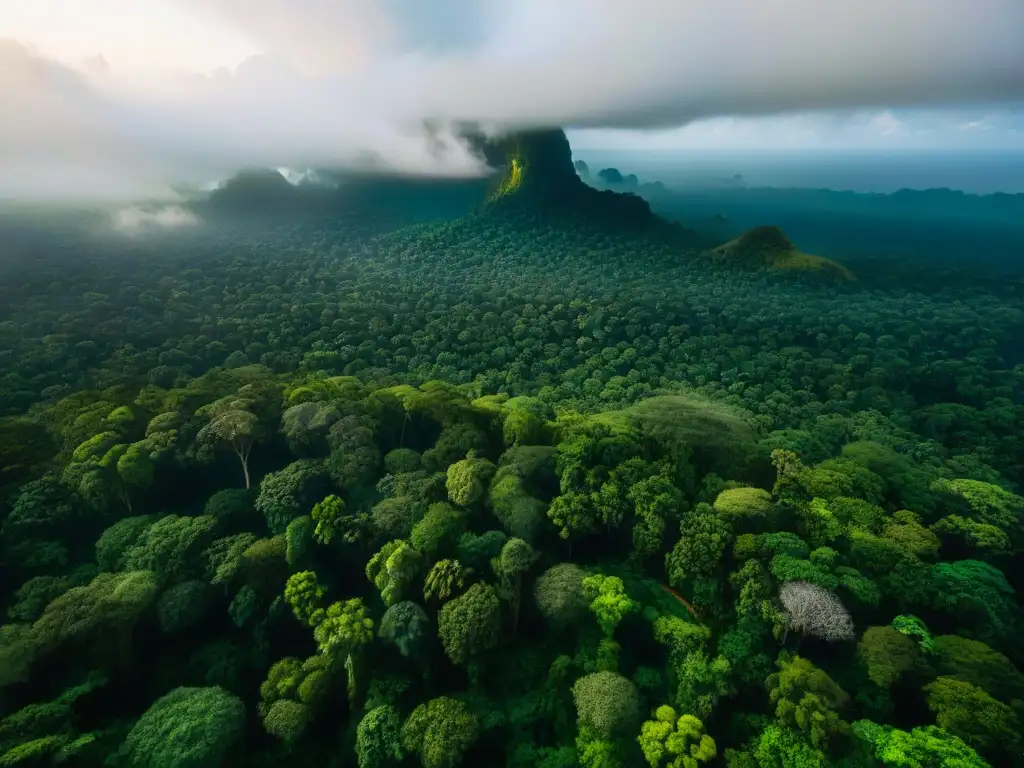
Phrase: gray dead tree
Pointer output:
(812, 610)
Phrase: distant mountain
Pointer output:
(768, 246)
(921, 204)
(263, 191)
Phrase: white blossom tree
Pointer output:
(812, 610)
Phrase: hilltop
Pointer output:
(769, 246)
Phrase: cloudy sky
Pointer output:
(121, 96)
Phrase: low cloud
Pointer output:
(885, 130)
(134, 220)
(337, 83)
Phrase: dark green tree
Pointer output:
(440, 732)
(471, 623)
(187, 728)
(378, 738)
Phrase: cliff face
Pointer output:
(537, 174)
(535, 164)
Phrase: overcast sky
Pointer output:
(127, 95)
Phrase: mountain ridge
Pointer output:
(533, 172)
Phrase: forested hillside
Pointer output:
(544, 485)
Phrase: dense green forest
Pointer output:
(550, 484)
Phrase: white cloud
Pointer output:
(337, 80)
(134, 220)
(981, 124)
(886, 124)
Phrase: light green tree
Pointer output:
(608, 601)
(671, 741)
(444, 579)
(344, 631)
(305, 595)
(392, 570)
(327, 515)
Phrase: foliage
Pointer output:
(607, 703)
(231, 507)
(182, 605)
(510, 566)
(187, 727)
(440, 732)
(443, 580)
(110, 603)
(298, 537)
(286, 494)
(805, 697)
(346, 627)
(170, 547)
(232, 425)
(406, 626)
(115, 542)
(702, 681)
(926, 747)
(392, 569)
(888, 654)
(968, 712)
(744, 507)
(675, 741)
(704, 538)
(328, 516)
(286, 719)
(378, 738)
(467, 481)
(305, 595)
(608, 601)
(470, 623)
(560, 596)
(439, 531)
(913, 627)
(978, 664)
